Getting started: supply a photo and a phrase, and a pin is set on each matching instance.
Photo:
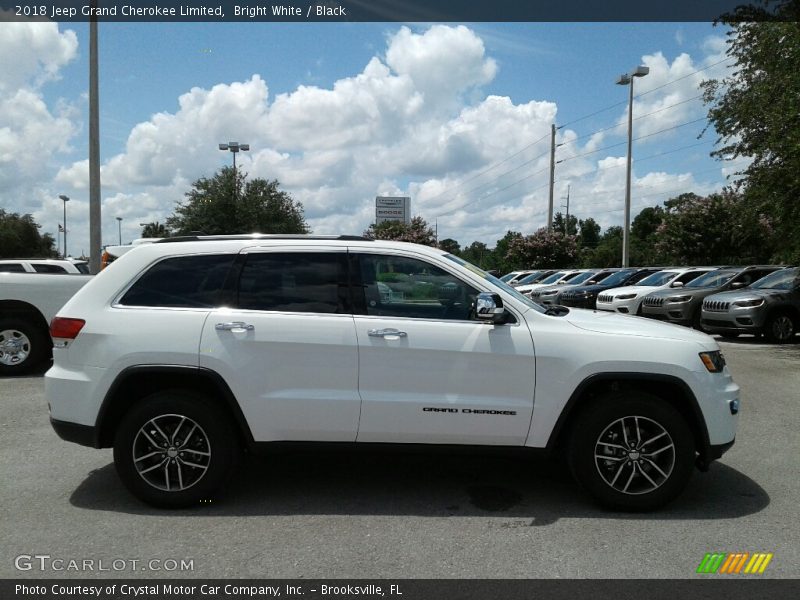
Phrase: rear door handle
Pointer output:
(234, 326)
(387, 334)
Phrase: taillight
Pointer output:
(63, 327)
(105, 260)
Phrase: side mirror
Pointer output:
(489, 308)
(590, 282)
(676, 284)
(738, 284)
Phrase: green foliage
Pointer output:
(155, 230)
(225, 204)
(755, 110)
(560, 222)
(450, 245)
(544, 249)
(417, 232)
(20, 238)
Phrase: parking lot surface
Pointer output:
(322, 515)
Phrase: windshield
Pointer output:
(712, 279)
(784, 279)
(617, 278)
(581, 277)
(501, 284)
(509, 276)
(553, 278)
(660, 278)
(532, 278)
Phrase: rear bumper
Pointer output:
(85, 435)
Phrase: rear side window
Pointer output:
(11, 268)
(45, 268)
(312, 282)
(181, 282)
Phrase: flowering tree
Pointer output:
(417, 232)
(544, 249)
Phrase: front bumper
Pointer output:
(85, 435)
(713, 453)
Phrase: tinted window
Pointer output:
(12, 268)
(687, 277)
(82, 267)
(182, 282)
(617, 278)
(713, 279)
(45, 268)
(397, 286)
(657, 279)
(295, 282)
(784, 279)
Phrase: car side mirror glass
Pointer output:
(738, 284)
(676, 284)
(489, 308)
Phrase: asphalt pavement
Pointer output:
(322, 515)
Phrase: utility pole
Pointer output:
(95, 239)
(566, 221)
(552, 175)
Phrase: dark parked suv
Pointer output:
(585, 296)
(682, 306)
(770, 306)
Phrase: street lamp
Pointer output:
(627, 79)
(119, 229)
(234, 148)
(65, 199)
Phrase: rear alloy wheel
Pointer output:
(632, 451)
(175, 449)
(22, 346)
(779, 328)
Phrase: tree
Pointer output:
(559, 220)
(643, 238)
(710, 230)
(450, 245)
(755, 110)
(544, 250)
(417, 232)
(588, 233)
(498, 257)
(476, 253)
(20, 238)
(225, 204)
(608, 252)
(155, 230)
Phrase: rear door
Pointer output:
(287, 344)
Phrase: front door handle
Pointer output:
(235, 326)
(387, 334)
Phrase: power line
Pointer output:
(497, 192)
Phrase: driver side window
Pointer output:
(397, 286)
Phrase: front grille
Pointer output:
(535, 294)
(607, 298)
(716, 306)
(653, 301)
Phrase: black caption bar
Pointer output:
(401, 589)
(381, 10)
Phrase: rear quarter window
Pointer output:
(181, 282)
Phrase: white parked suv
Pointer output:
(189, 351)
(628, 299)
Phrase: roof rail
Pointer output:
(262, 236)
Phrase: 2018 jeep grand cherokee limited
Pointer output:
(184, 353)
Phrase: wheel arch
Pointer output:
(19, 308)
(139, 381)
(669, 388)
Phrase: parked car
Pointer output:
(534, 277)
(558, 278)
(44, 265)
(515, 276)
(683, 306)
(770, 306)
(549, 295)
(586, 296)
(184, 353)
(628, 300)
(27, 303)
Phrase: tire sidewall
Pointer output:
(214, 422)
(39, 342)
(597, 417)
(768, 331)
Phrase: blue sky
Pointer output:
(436, 108)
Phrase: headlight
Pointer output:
(625, 297)
(749, 303)
(713, 361)
(676, 299)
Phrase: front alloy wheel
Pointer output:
(779, 328)
(631, 450)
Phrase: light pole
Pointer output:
(627, 79)
(234, 148)
(119, 229)
(65, 199)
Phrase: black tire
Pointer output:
(780, 327)
(603, 479)
(174, 413)
(23, 346)
(697, 321)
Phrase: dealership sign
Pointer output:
(392, 208)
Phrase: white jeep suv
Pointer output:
(186, 352)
